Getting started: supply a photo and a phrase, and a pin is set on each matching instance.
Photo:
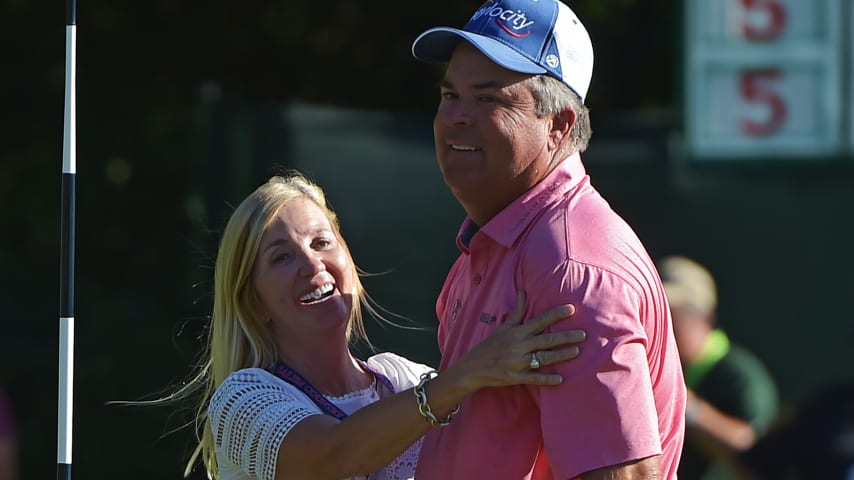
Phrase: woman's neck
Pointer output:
(328, 366)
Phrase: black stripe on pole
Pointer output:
(70, 12)
(63, 471)
(66, 252)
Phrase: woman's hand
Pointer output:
(507, 356)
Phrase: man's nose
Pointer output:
(455, 114)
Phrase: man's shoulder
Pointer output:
(583, 214)
(582, 229)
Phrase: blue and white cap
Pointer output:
(526, 36)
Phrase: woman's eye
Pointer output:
(281, 257)
(323, 243)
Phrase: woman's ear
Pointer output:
(561, 127)
(261, 314)
(260, 309)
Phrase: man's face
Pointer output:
(490, 145)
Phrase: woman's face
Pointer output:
(303, 274)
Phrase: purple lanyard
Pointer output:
(290, 375)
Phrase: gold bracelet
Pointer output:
(424, 407)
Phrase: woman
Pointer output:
(284, 397)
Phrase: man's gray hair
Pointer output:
(552, 97)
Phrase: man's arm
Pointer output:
(645, 469)
(602, 423)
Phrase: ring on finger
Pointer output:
(535, 362)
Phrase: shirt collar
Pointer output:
(506, 227)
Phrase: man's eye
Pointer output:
(485, 99)
(449, 95)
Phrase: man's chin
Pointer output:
(461, 177)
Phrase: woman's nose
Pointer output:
(312, 263)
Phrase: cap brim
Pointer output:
(437, 45)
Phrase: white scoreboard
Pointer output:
(766, 79)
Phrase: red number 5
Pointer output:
(776, 15)
(756, 89)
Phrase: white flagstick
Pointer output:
(66, 268)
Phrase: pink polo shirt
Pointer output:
(622, 399)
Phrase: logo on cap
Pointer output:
(512, 22)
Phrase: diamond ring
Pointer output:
(535, 363)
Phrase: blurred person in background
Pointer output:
(732, 398)
(8, 440)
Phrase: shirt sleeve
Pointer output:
(250, 416)
(402, 372)
(604, 411)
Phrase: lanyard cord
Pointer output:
(291, 376)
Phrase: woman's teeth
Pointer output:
(317, 294)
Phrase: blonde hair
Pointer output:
(238, 336)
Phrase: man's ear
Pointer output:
(561, 127)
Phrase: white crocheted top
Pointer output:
(253, 410)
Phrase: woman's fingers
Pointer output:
(542, 321)
(549, 340)
(554, 347)
(541, 379)
(534, 376)
(548, 357)
(544, 351)
(514, 353)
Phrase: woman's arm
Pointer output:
(321, 447)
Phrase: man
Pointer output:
(732, 399)
(509, 131)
